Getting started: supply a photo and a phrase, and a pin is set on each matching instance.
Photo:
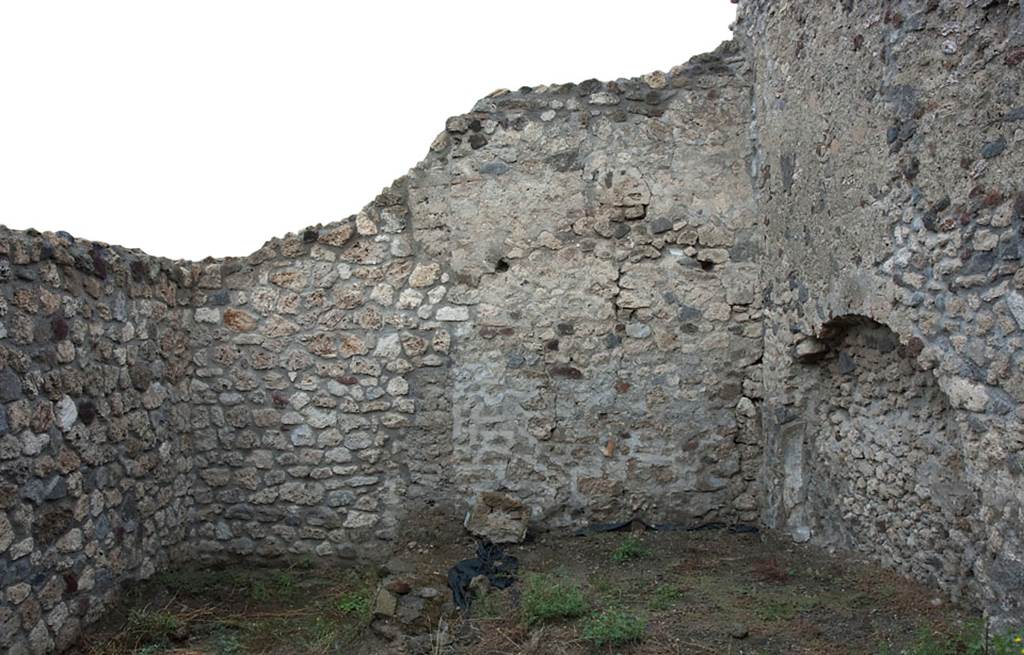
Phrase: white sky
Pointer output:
(205, 127)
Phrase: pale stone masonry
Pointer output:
(778, 285)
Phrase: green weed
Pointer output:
(613, 628)
(629, 549)
(664, 597)
(357, 604)
(277, 586)
(549, 598)
(151, 627)
(971, 639)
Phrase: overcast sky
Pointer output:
(205, 127)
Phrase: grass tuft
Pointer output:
(613, 628)
(152, 627)
(549, 598)
(357, 604)
(971, 639)
(630, 548)
(664, 597)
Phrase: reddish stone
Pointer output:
(400, 587)
(239, 321)
(60, 328)
(914, 346)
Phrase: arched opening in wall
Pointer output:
(883, 465)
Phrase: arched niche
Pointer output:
(877, 465)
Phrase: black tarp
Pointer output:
(490, 561)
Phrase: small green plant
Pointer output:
(225, 642)
(1011, 643)
(321, 635)
(971, 639)
(613, 628)
(629, 549)
(306, 562)
(549, 598)
(664, 597)
(279, 585)
(148, 627)
(356, 604)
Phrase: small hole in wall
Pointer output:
(707, 266)
(501, 266)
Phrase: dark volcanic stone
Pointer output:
(86, 412)
(60, 328)
(99, 264)
(567, 372)
(10, 385)
(661, 225)
(494, 168)
(993, 148)
(787, 163)
(219, 298)
(138, 269)
(51, 523)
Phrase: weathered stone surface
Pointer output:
(6, 533)
(453, 314)
(499, 518)
(239, 321)
(930, 249)
(424, 275)
(88, 448)
(618, 300)
(809, 349)
(385, 603)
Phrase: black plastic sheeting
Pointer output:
(490, 561)
(595, 528)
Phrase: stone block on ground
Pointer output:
(499, 518)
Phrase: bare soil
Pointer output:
(708, 591)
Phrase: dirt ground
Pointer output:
(708, 591)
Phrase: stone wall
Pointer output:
(781, 283)
(879, 460)
(95, 455)
(561, 301)
(888, 148)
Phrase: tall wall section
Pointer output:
(95, 455)
(889, 149)
(562, 301)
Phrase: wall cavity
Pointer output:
(876, 464)
(887, 150)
